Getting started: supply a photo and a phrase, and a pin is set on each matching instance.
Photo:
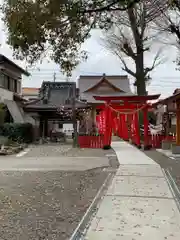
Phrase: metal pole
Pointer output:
(54, 77)
(74, 116)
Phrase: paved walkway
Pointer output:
(138, 204)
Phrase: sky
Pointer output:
(165, 77)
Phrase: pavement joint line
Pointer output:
(141, 176)
(83, 157)
(87, 216)
(139, 196)
(42, 170)
(139, 164)
(173, 187)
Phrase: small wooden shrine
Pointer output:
(55, 105)
(172, 104)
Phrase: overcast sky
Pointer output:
(165, 78)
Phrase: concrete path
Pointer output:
(138, 204)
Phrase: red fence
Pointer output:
(156, 140)
(91, 141)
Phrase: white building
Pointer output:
(10, 88)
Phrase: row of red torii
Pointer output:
(121, 116)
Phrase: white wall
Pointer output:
(5, 95)
(173, 120)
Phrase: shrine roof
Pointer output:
(107, 82)
(54, 95)
(134, 98)
(169, 99)
(52, 107)
(118, 85)
(90, 97)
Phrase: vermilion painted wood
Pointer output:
(136, 98)
(128, 126)
(137, 133)
(127, 107)
(91, 141)
(146, 126)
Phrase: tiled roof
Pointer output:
(4, 59)
(30, 91)
(57, 94)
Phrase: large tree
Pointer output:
(131, 36)
(56, 26)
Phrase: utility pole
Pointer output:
(54, 77)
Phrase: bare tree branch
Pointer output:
(156, 62)
(111, 7)
(132, 36)
(125, 67)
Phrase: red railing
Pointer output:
(156, 140)
(88, 141)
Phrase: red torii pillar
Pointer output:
(146, 128)
(108, 127)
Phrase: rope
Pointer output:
(132, 112)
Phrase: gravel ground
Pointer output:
(167, 163)
(45, 205)
(54, 150)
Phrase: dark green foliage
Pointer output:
(18, 132)
(56, 27)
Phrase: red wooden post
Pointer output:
(146, 127)
(108, 127)
(125, 127)
(106, 113)
(130, 120)
(120, 126)
(137, 132)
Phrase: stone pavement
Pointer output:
(138, 204)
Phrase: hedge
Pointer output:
(19, 132)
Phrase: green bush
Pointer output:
(19, 132)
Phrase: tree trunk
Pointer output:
(141, 85)
(140, 79)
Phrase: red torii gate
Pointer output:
(126, 109)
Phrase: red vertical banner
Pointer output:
(115, 124)
(130, 126)
(146, 126)
(124, 126)
(111, 113)
(100, 119)
(119, 131)
(106, 133)
(108, 126)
